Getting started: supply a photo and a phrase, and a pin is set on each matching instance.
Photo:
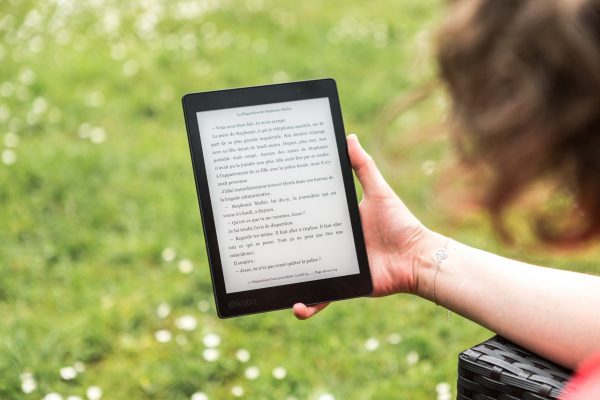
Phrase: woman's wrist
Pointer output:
(431, 252)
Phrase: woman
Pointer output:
(524, 76)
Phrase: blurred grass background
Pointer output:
(104, 282)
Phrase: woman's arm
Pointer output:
(551, 312)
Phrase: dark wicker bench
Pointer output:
(499, 369)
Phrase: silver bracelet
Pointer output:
(438, 256)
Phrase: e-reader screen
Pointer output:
(277, 194)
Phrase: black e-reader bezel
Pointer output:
(283, 296)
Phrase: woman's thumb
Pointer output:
(368, 175)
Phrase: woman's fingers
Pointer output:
(302, 311)
(367, 172)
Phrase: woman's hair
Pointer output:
(524, 76)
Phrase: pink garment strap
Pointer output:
(585, 385)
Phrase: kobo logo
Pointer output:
(245, 302)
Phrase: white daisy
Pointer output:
(237, 391)
(39, 105)
(442, 387)
(68, 373)
(251, 373)
(412, 358)
(11, 139)
(372, 344)
(84, 130)
(326, 396)
(394, 338)
(94, 393)
(210, 355)
(242, 355)
(280, 76)
(211, 340)
(185, 266)
(279, 373)
(199, 396)
(97, 135)
(28, 384)
(186, 323)
(27, 77)
(168, 254)
(163, 336)
(9, 157)
(163, 310)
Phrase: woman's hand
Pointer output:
(393, 235)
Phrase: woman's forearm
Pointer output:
(554, 313)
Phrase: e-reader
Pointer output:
(277, 197)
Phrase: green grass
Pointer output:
(83, 225)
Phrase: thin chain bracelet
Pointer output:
(438, 256)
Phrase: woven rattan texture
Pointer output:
(499, 369)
